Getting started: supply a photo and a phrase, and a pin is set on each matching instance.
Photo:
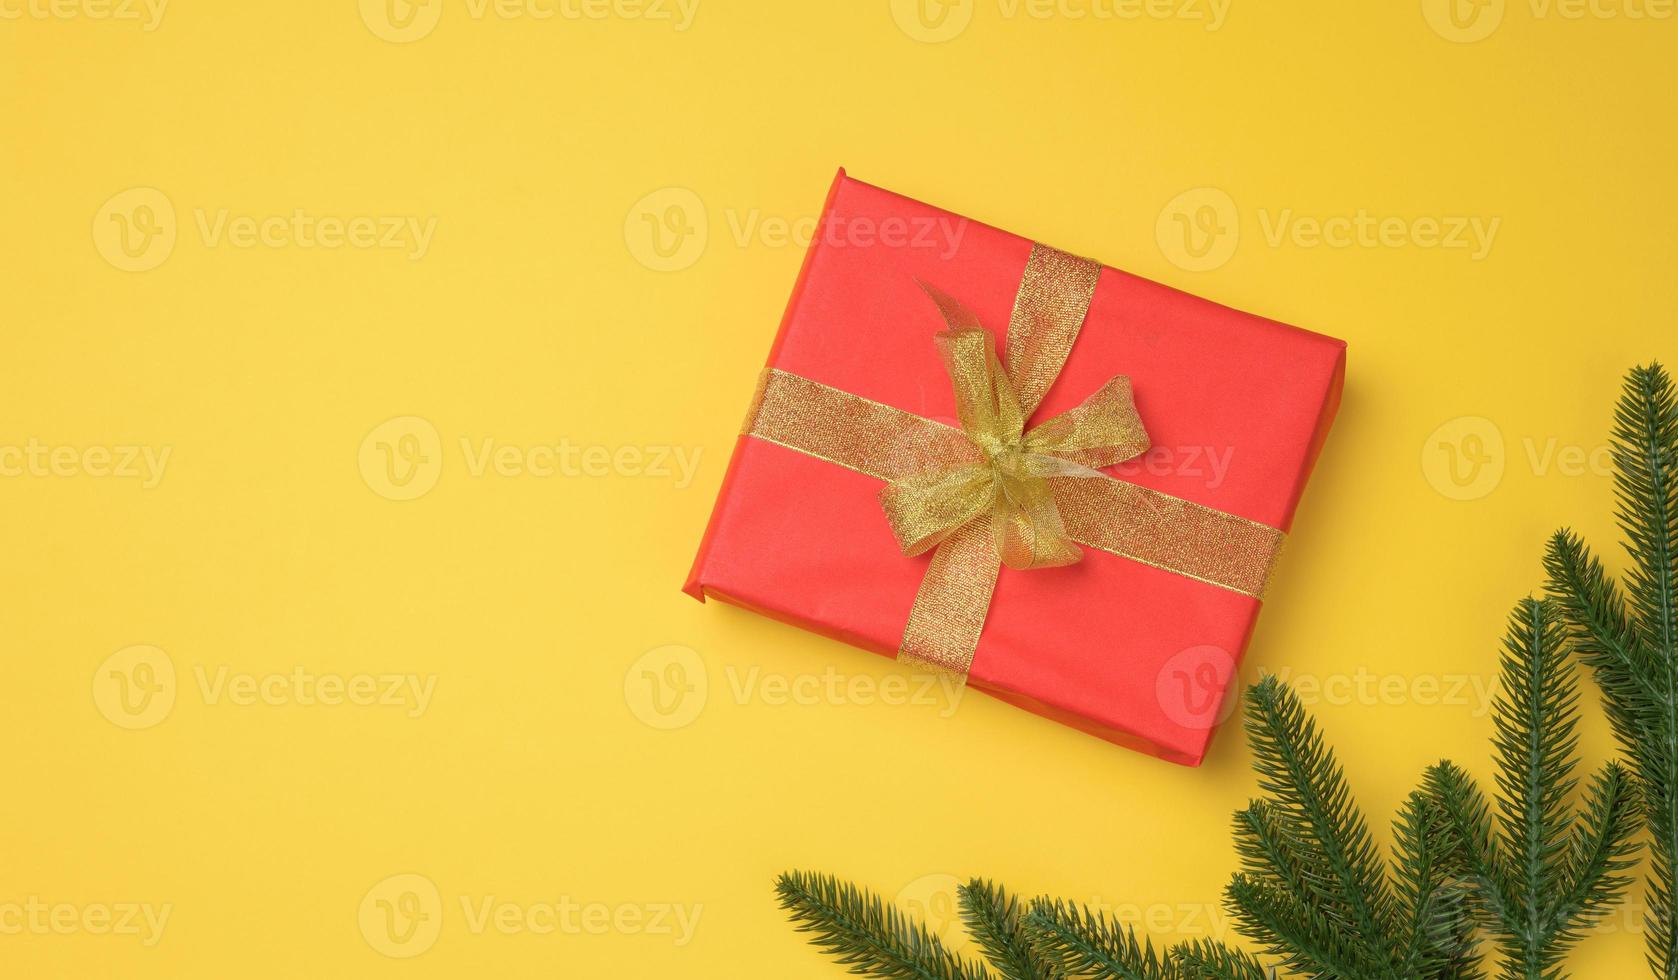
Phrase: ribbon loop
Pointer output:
(989, 411)
(926, 508)
(1104, 430)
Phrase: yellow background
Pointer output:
(538, 313)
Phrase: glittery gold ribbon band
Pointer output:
(992, 492)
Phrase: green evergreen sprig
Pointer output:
(1541, 872)
(1315, 892)
(995, 920)
(1628, 633)
(864, 933)
(1088, 944)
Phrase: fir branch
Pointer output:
(1305, 941)
(1272, 900)
(1605, 637)
(1308, 788)
(1603, 845)
(1630, 638)
(1476, 856)
(1535, 718)
(1315, 892)
(1270, 850)
(993, 918)
(1546, 871)
(1086, 944)
(863, 933)
(1207, 960)
(1645, 449)
(1439, 940)
(1536, 872)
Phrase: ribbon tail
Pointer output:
(949, 611)
(1027, 526)
(956, 316)
(1055, 293)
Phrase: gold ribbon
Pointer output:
(993, 492)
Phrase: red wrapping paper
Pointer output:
(1130, 653)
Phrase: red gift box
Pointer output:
(1237, 407)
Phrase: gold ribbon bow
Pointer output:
(993, 492)
(1012, 481)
